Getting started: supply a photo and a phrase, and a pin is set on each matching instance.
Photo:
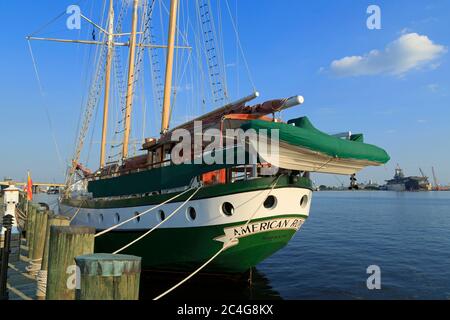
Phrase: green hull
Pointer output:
(186, 249)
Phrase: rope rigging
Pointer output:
(160, 224)
(46, 109)
(141, 214)
(215, 70)
(91, 105)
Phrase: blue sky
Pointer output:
(398, 96)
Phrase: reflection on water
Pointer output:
(202, 287)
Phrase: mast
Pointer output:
(169, 66)
(130, 86)
(107, 83)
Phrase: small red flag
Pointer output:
(29, 188)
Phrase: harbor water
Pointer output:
(407, 235)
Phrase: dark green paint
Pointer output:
(204, 193)
(186, 249)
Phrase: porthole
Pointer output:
(270, 203)
(304, 201)
(117, 217)
(228, 209)
(162, 215)
(192, 214)
(137, 217)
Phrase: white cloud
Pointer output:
(433, 87)
(410, 51)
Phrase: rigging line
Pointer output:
(53, 20)
(140, 62)
(213, 63)
(144, 106)
(178, 29)
(237, 54)
(222, 50)
(175, 90)
(76, 213)
(201, 79)
(201, 47)
(47, 112)
(240, 47)
(176, 81)
(161, 223)
(221, 77)
(141, 214)
(325, 164)
(225, 247)
(87, 57)
(91, 103)
(93, 131)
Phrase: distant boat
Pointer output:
(53, 191)
(401, 183)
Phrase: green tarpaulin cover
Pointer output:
(300, 132)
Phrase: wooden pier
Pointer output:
(48, 243)
(21, 285)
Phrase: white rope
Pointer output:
(141, 214)
(76, 213)
(161, 223)
(34, 266)
(21, 217)
(41, 279)
(225, 247)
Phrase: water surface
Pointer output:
(406, 234)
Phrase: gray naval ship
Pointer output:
(402, 183)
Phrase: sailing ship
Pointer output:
(177, 216)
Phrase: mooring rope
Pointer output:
(225, 247)
(21, 217)
(34, 266)
(141, 214)
(41, 279)
(76, 213)
(161, 223)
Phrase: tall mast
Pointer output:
(169, 66)
(130, 87)
(107, 83)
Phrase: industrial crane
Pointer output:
(437, 187)
(421, 172)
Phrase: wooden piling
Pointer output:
(32, 212)
(37, 241)
(53, 220)
(65, 244)
(39, 234)
(109, 277)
